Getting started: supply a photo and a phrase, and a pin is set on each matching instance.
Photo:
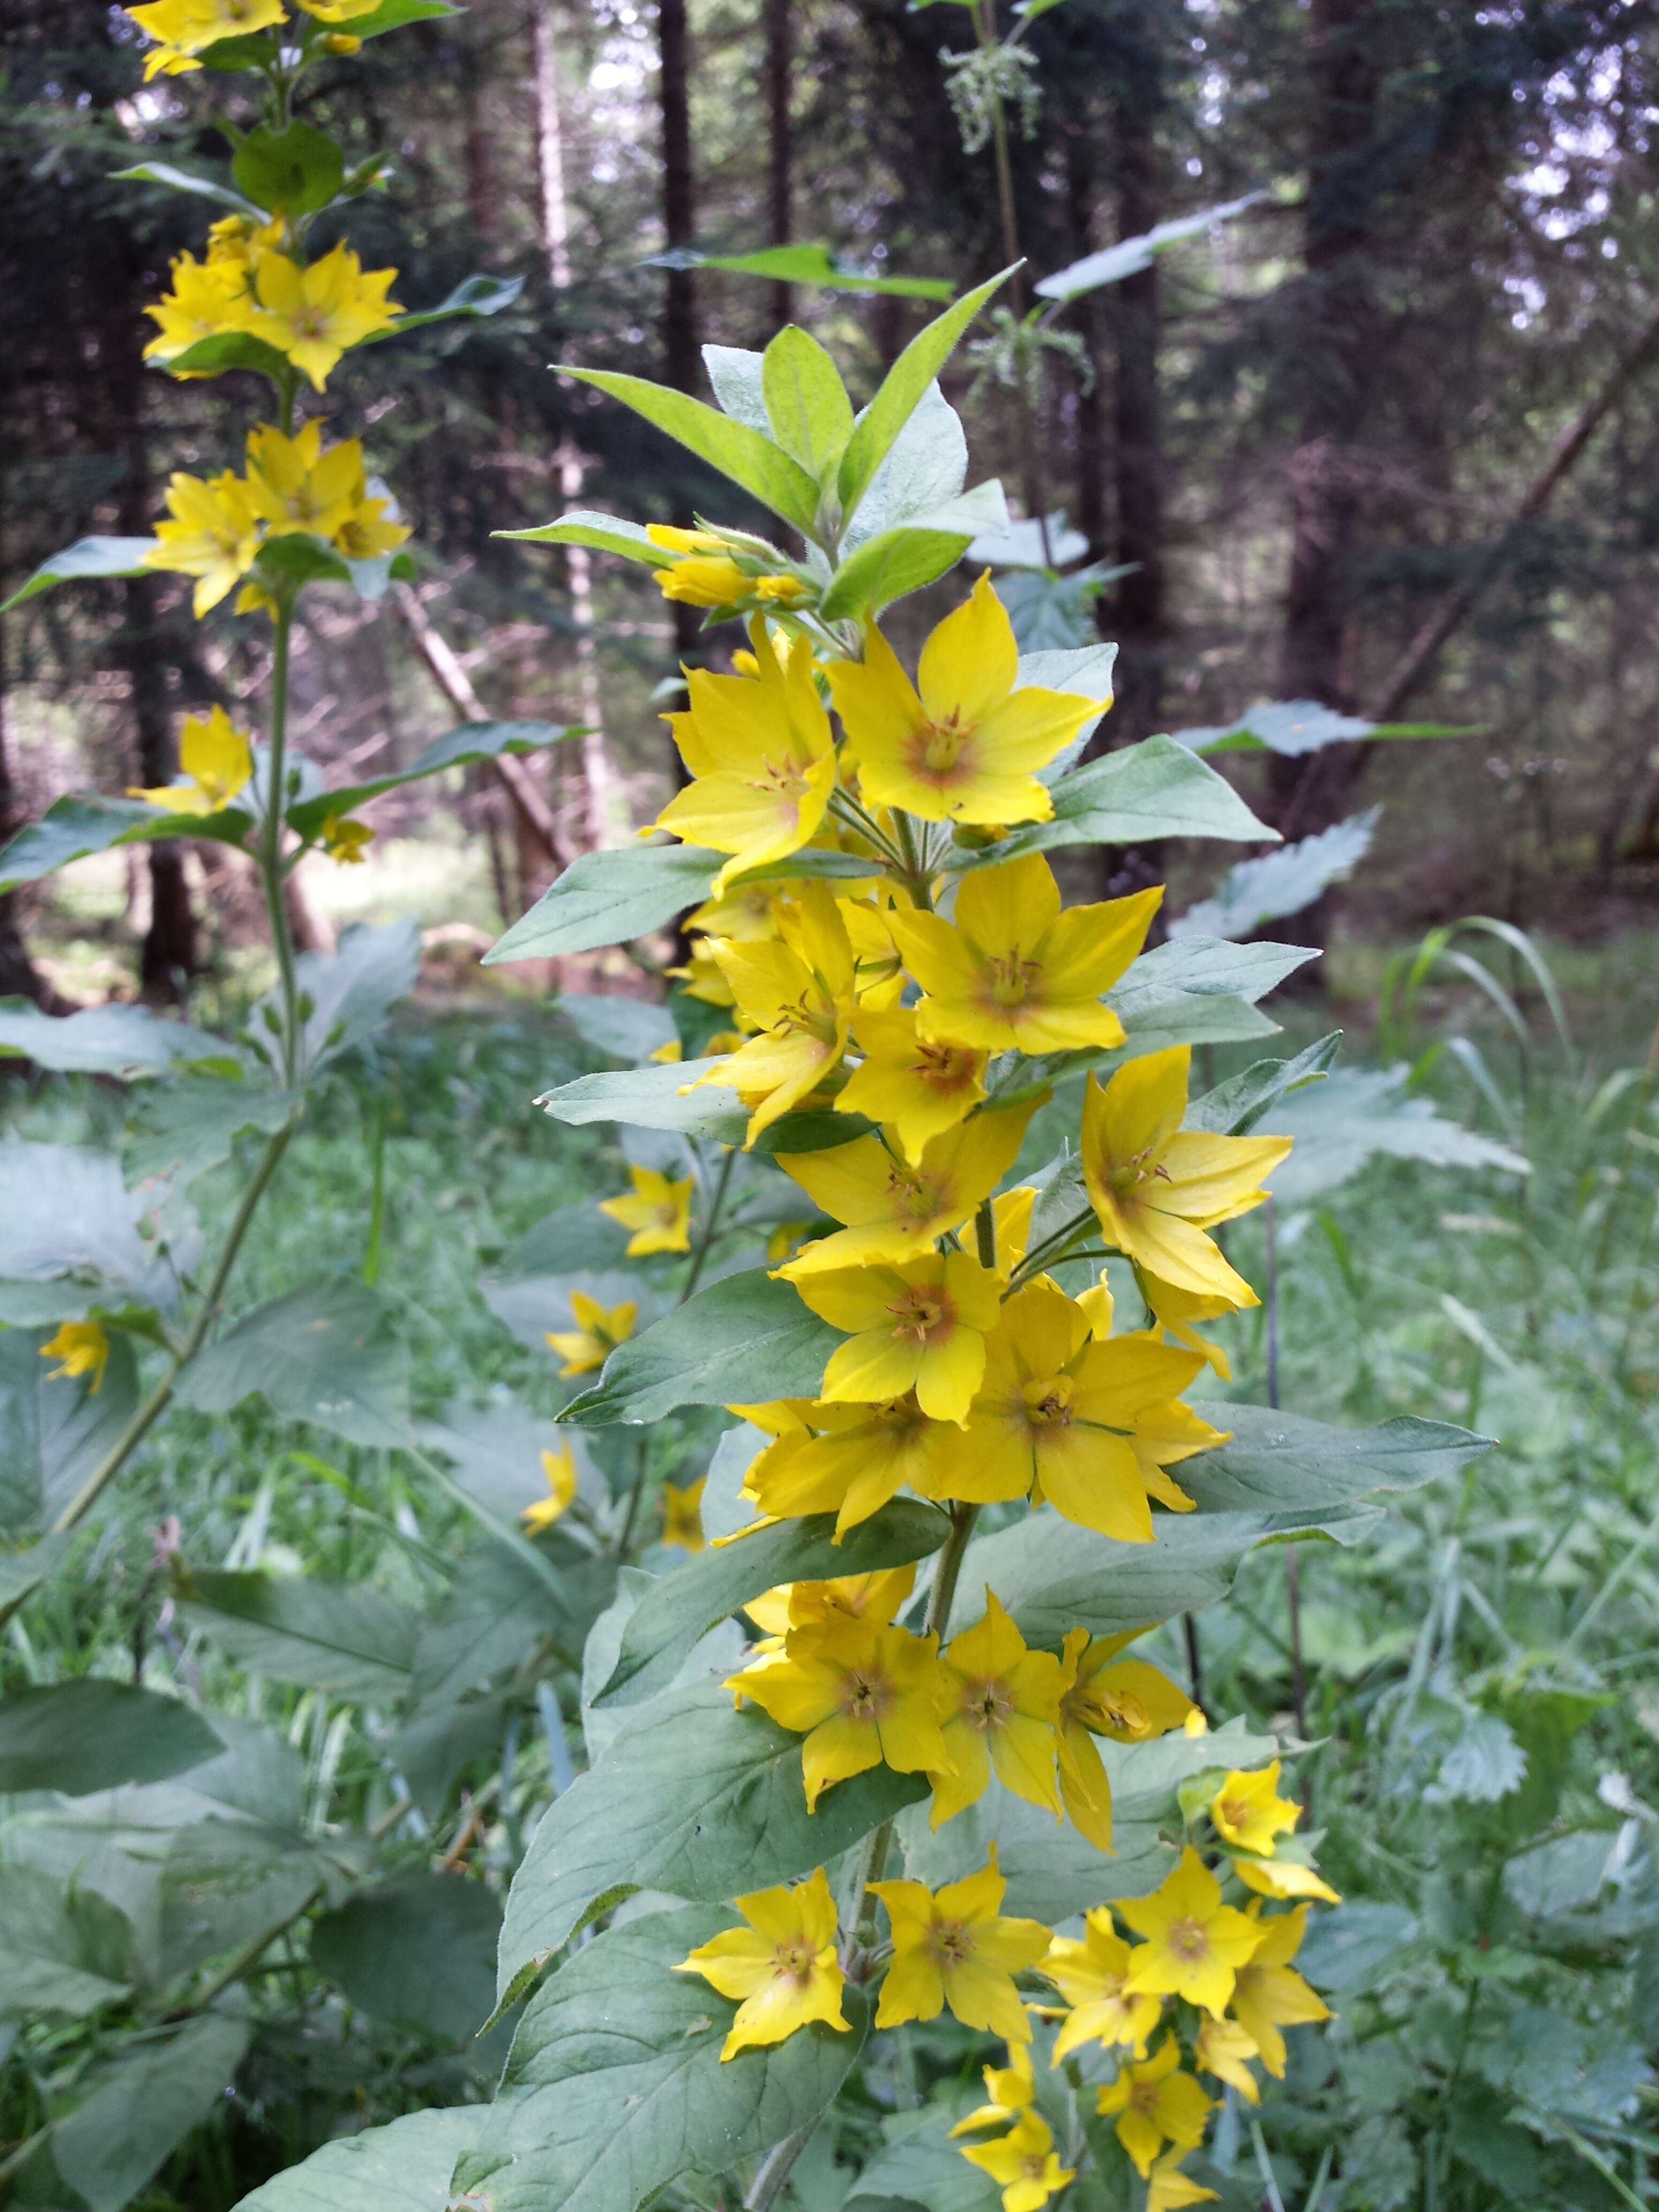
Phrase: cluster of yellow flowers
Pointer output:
(184, 29)
(314, 312)
(217, 525)
(1216, 1979)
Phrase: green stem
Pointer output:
(242, 1959)
(915, 871)
(625, 1534)
(711, 1222)
(270, 841)
(963, 1517)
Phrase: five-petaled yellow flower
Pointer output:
(951, 1947)
(658, 1210)
(1222, 2048)
(559, 1473)
(762, 754)
(212, 533)
(217, 761)
(208, 299)
(1024, 2163)
(1004, 1705)
(1170, 2190)
(1156, 1188)
(1126, 1699)
(849, 1460)
(81, 1347)
(346, 840)
(296, 485)
(316, 314)
(1016, 972)
(1091, 1974)
(920, 1326)
(782, 1965)
(1270, 1994)
(597, 1331)
(960, 745)
(682, 1514)
(863, 1694)
(1194, 1943)
(1155, 2103)
(895, 1209)
(1249, 1813)
(184, 29)
(1058, 1411)
(796, 990)
(917, 1090)
(874, 1597)
(1282, 1878)
(1009, 2090)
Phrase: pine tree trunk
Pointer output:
(679, 322)
(1138, 458)
(779, 58)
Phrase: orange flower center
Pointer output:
(1048, 1401)
(1117, 1709)
(945, 1066)
(1234, 1811)
(793, 1962)
(922, 1314)
(986, 1706)
(912, 1197)
(310, 322)
(786, 777)
(1190, 1940)
(951, 1944)
(1011, 980)
(866, 1696)
(938, 751)
(1143, 2098)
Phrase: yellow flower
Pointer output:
(184, 29)
(208, 298)
(658, 1211)
(1249, 1814)
(218, 759)
(339, 11)
(1222, 2048)
(1024, 2163)
(1016, 973)
(682, 1515)
(797, 991)
(1090, 1973)
(1155, 2104)
(783, 1966)
(1169, 2189)
(1282, 1878)
(762, 754)
(1010, 2089)
(596, 1336)
(82, 1348)
(967, 748)
(1157, 1186)
(850, 1460)
(1196, 1944)
(1176, 1310)
(1270, 1994)
(862, 1694)
(1004, 1703)
(346, 840)
(559, 1473)
(706, 573)
(213, 535)
(917, 1090)
(951, 1947)
(315, 314)
(875, 1596)
(1126, 1699)
(920, 1327)
(296, 486)
(1058, 1411)
(895, 1209)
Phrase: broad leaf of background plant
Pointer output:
(1127, 797)
(58, 1946)
(417, 1952)
(1359, 1112)
(185, 1128)
(615, 2086)
(1279, 1463)
(472, 741)
(54, 1432)
(606, 898)
(1279, 884)
(71, 829)
(693, 1798)
(343, 1637)
(652, 1098)
(95, 1735)
(404, 2166)
(112, 1040)
(351, 990)
(326, 1355)
(739, 1342)
(73, 1228)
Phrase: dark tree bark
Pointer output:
(1089, 505)
(19, 976)
(1139, 611)
(780, 59)
(679, 322)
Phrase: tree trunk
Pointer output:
(1138, 613)
(479, 151)
(679, 322)
(19, 976)
(1336, 346)
(779, 57)
(1088, 508)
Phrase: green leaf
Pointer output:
(328, 1354)
(21, 1573)
(1279, 1463)
(297, 557)
(750, 459)
(418, 1953)
(112, 1040)
(615, 2086)
(922, 2167)
(404, 2166)
(804, 265)
(52, 1433)
(474, 295)
(74, 828)
(1294, 726)
(472, 741)
(72, 1223)
(227, 350)
(351, 992)
(1128, 798)
(184, 181)
(693, 1798)
(1202, 968)
(739, 1342)
(87, 556)
(344, 1638)
(1238, 1105)
(682, 1607)
(606, 898)
(621, 1029)
(1357, 1114)
(141, 2106)
(1349, 1948)
(491, 1617)
(185, 1128)
(606, 533)
(912, 555)
(436, 1747)
(394, 14)
(298, 169)
(96, 1735)
(1253, 892)
(1129, 256)
(651, 1098)
(901, 389)
(56, 1945)
(806, 401)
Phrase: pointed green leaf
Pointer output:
(606, 533)
(96, 1735)
(804, 265)
(606, 898)
(404, 2166)
(328, 1354)
(762, 468)
(912, 555)
(74, 828)
(112, 1040)
(1128, 798)
(1276, 1462)
(806, 401)
(184, 181)
(344, 1637)
(738, 1343)
(87, 558)
(472, 741)
(654, 1098)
